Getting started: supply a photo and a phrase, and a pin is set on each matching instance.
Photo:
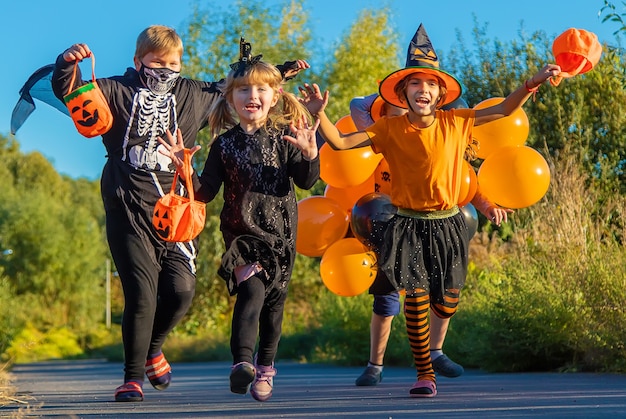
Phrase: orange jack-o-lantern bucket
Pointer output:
(87, 106)
(576, 51)
(177, 218)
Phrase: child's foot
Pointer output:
(447, 367)
(129, 392)
(263, 384)
(159, 371)
(423, 388)
(372, 376)
(241, 375)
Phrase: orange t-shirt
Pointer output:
(426, 162)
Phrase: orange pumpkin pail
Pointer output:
(177, 218)
(87, 106)
(576, 51)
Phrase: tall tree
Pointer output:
(367, 53)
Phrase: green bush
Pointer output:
(538, 313)
(31, 345)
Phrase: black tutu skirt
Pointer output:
(423, 253)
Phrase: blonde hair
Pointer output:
(400, 88)
(158, 38)
(288, 109)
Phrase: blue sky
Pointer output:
(35, 32)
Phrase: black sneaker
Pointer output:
(370, 377)
(241, 376)
(446, 367)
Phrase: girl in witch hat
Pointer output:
(425, 246)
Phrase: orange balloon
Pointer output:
(347, 267)
(321, 222)
(511, 130)
(346, 125)
(469, 184)
(345, 168)
(347, 197)
(514, 177)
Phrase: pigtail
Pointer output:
(221, 116)
(288, 110)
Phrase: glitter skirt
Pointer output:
(424, 252)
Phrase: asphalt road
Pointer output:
(84, 389)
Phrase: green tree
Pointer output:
(367, 53)
(55, 230)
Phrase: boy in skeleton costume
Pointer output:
(158, 277)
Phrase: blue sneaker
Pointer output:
(446, 367)
(370, 377)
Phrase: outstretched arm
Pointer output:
(316, 102)
(493, 212)
(518, 97)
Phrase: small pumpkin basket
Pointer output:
(177, 218)
(87, 106)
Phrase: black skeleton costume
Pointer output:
(158, 277)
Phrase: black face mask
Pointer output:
(158, 80)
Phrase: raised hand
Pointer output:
(294, 68)
(549, 70)
(174, 148)
(76, 52)
(304, 137)
(313, 99)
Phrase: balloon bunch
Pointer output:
(511, 175)
(348, 267)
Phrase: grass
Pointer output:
(9, 396)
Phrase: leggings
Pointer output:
(155, 297)
(416, 307)
(257, 314)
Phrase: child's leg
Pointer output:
(384, 308)
(416, 309)
(245, 322)
(439, 320)
(438, 331)
(245, 327)
(270, 329)
(380, 329)
(270, 326)
(176, 290)
(139, 278)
